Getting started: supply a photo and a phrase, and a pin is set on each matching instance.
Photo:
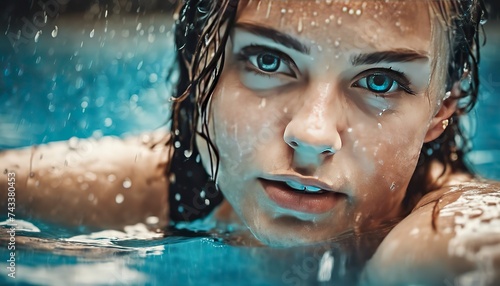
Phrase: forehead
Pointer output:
(376, 24)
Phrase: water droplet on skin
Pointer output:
(329, 2)
(351, 11)
(299, 26)
(379, 125)
(152, 220)
(55, 31)
(262, 103)
(119, 199)
(73, 143)
(393, 187)
(337, 42)
(345, 9)
(92, 33)
(111, 178)
(177, 197)
(90, 176)
(358, 12)
(285, 110)
(339, 21)
(283, 11)
(127, 183)
(269, 6)
(349, 130)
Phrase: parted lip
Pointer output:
(306, 181)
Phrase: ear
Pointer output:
(448, 107)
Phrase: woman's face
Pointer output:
(320, 114)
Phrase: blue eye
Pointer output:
(268, 62)
(379, 83)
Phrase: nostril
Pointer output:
(329, 151)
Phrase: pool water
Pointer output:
(91, 78)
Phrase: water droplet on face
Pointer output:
(127, 183)
(262, 103)
(351, 11)
(299, 26)
(358, 12)
(349, 130)
(73, 143)
(393, 187)
(119, 199)
(111, 178)
(328, 2)
(345, 9)
(379, 125)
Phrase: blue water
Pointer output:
(108, 77)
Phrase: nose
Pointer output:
(314, 129)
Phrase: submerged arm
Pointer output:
(451, 239)
(105, 183)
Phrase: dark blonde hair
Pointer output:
(201, 32)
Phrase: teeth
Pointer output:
(301, 187)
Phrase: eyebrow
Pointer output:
(275, 35)
(398, 55)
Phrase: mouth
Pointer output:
(308, 197)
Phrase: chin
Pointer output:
(287, 235)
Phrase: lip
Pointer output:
(312, 203)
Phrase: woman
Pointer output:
(314, 119)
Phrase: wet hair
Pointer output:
(201, 32)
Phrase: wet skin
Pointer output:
(341, 101)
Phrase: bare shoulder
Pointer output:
(452, 237)
(102, 183)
